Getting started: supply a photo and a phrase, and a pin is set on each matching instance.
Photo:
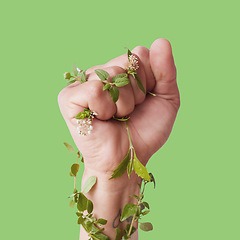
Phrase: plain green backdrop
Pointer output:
(197, 170)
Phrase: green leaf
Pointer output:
(81, 115)
(130, 167)
(146, 205)
(89, 184)
(139, 169)
(129, 210)
(152, 179)
(146, 226)
(95, 234)
(99, 236)
(128, 228)
(74, 70)
(71, 81)
(103, 75)
(89, 206)
(74, 169)
(83, 77)
(118, 234)
(72, 203)
(102, 221)
(145, 212)
(79, 214)
(121, 82)
(139, 83)
(80, 220)
(114, 93)
(119, 76)
(75, 190)
(69, 147)
(133, 230)
(129, 52)
(82, 203)
(95, 229)
(98, 231)
(89, 225)
(87, 111)
(141, 206)
(79, 154)
(135, 196)
(119, 171)
(106, 86)
(67, 75)
(121, 119)
(138, 212)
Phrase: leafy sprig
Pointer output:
(74, 167)
(132, 70)
(86, 113)
(91, 225)
(136, 211)
(130, 163)
(85, 206)
(76, 75)
(119, 80)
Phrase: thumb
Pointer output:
(163, 67)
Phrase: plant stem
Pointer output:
(129, 136)
(144, 187)
(134, 216)
(75, 182)
(138, 204)
(131, 226)
(153, 94)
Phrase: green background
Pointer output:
(197, 170)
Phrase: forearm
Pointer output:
(109, 198)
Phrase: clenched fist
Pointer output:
(150, 123)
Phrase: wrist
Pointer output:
(109, 198)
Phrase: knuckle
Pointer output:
(141, 52)
(116, 71)
(113, 71)
(95, 89)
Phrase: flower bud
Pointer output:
(67, 75)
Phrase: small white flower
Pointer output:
(133, 64)
(79, 70)
(85, 125)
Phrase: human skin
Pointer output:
(150, 124)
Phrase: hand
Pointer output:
(151, 117)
